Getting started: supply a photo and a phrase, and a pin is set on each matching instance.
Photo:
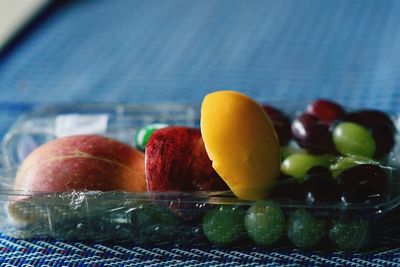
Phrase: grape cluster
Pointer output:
(325, 127)
(336, 154)
(266, 224)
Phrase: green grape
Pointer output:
(143, 134)
(264, 222)
(353, 139)
(286, 151)
(223, 225)
(349, 235)
(344, 163)
(304, 230)
(297, 165)
(154, 223)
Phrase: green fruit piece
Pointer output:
(304, 230)
(344, 163)
(155, 223)
(286, 151)
(297, 165)
(223, 225)
(143, 134)
(349, 235)
(264, 222)
(353, 139)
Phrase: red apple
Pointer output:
(176, 160)
(82, 162)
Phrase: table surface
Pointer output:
(178, 51)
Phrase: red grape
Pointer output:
(310, 133)
(281, 123)
(325, 110)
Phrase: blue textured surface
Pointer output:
(151, 51)
(177, 51)
(54, 253)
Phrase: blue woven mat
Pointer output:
(177, 51)
(44, 252)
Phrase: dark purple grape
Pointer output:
(289, 188)
(364, 182)
(281, 123)
(313, 135)
(325, 110)
(370, 118)
(380, 126)
(320, 186)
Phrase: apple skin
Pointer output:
(82, 162)
(176, 160)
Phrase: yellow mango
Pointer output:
(241, 142)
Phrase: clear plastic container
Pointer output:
(176, 218)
